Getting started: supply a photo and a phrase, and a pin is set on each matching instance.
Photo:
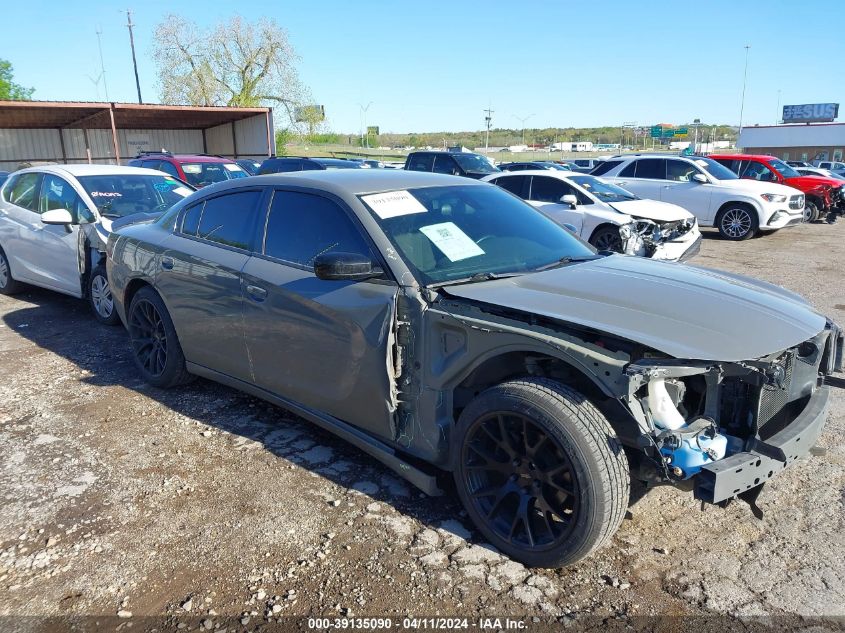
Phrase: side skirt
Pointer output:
(373, 447)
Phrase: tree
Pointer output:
(235, 64)
(9, 90)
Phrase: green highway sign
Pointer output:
(681, 131)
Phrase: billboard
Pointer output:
(309, 114)
(810, 113)
(372, 130)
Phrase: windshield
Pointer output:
(602, 190)
(118, 196)
(475, 162)
(716, 170)
(451, 233)
(785, 170)
(203, 174)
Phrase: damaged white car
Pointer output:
(607, 216)
(55, 220)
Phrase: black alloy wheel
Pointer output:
(607, 239)
(521, 481)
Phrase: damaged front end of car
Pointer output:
(647, 238)
(724, 428)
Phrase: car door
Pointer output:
(323, 344)
(445, 164)
(43, 254)
(18, 222)
(545, 195)
(644, 177)
(199, 278)
(680, 188)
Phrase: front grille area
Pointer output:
(796, 202)
(773, 398)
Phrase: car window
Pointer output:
(229, 219)
(514, 184)
(680, 171)
(604, 167)
(168, 168)
(547, 189)
(191, 219)
(651, 168)
(23, 191)
(150, 164)
(754, 170)
(203, 174)
(630, 170)
(443, 164)
(420, 162)
(302, 226)
(57, 193)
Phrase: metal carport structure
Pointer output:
(73, 132)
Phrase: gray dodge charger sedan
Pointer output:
(442, 324)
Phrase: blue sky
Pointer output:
(435, 65)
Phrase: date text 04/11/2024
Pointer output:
(410, 623)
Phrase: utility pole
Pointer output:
(777, 112)
(523, 120)
(129, 25)
(487, 119)
(744, 81)
(102, 65)
(364, 122)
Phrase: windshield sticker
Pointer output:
(701, 163)
(163, 186)
(232, 167)
(393, 204)
(191, 169)
(182, 191)
(106, 194)
(452, 241)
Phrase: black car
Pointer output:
(454, 163)
(278, 164)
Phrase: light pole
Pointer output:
(744, 81)
(523, 120)
(364, 122)
(487, 120)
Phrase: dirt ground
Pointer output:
(205, 505)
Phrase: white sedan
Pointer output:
(607, 216)
(55, 221)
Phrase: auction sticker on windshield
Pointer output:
(393, 204)
(452, 241)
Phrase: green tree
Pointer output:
(9, 90)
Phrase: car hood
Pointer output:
(652, 210)
(683, 311)
(807, 183)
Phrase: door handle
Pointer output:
(167, 263)
(257, 293)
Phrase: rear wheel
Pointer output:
(100, 297)
(8, 286)
(737, 222)
(155, 346)
(540, 471)
(606, 238)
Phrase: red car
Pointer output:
(198, 170)
(822, 195)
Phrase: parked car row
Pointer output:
(445, 324)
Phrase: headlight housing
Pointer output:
(773, 197)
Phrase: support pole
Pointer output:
(114, 135)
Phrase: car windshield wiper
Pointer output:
(475, 278)
(566, 259)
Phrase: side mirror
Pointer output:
(57, 216)
(345, 267)
(700, 178)
(569, 199)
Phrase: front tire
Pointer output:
(540, 471)
(811, 211)
(737, 222)
(155, 346)
(606, 238)
(8, 285)
(100, 298)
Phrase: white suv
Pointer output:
(55, 221)
(711, 192)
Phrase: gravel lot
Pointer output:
(206, 504)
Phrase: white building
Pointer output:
(814, 141)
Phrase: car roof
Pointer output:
(744, 156)
(92, 170)
(351, 181)
(194, 158)
(551, 173)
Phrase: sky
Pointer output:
(437, 65)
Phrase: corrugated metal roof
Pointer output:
(803, 135)
(95, 115)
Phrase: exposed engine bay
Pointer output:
(642, 237)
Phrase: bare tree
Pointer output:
(235, 63)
